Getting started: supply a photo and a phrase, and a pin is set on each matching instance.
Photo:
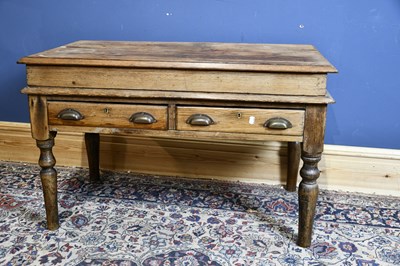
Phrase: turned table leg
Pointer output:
(92, 141)
(293, 163)
(311, 150)
(48, 176)
(308, 194)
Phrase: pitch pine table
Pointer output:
(182, 90)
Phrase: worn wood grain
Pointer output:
(176, 133)
(48, 176)
(172, 116)
(234, 56)
(38, 117)
(92, 144)
(177, 80)
(308, 195)
(312, 147)
(243, 120)
(107, 115)
(129, 95)
(197, 69)
(314, 129)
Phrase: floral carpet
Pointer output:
(134, 219)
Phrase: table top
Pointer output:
(292, 58)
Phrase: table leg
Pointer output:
(311, 151)
(92, 141)
(48, 177)
(293, 163)
(308, 194)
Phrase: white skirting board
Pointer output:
(346, 168)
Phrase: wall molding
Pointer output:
(346, 168)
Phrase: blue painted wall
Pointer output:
(361, 38)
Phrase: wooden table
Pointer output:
(188, 90)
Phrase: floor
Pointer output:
(136, 219)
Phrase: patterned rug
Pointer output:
(134, 219)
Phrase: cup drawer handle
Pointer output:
(200, 120)
(278, 123)
(70, 114)
(142, 118)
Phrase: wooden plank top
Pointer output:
(184, 55)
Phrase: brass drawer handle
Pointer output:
(200, 120)
(278, 123)
(142, 118)
(70, 114)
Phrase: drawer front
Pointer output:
(107, 115)
(241, 120)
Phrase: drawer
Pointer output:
(241, 120)
(107, 115)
